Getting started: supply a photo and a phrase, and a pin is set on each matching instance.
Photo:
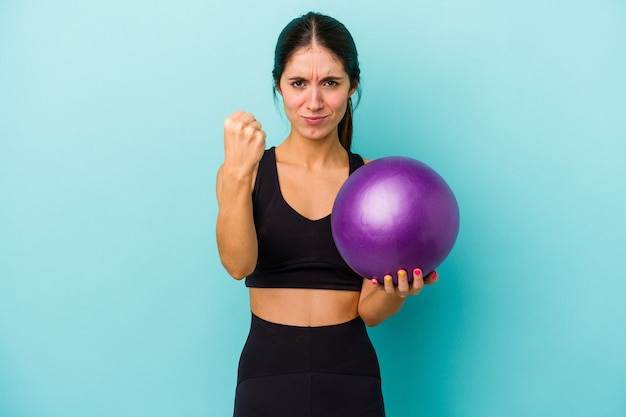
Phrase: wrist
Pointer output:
(236, 173)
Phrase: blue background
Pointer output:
(112, 298)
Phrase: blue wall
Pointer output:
(112, 298)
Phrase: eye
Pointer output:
(298, 84)
(332, 83)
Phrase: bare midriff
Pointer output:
(304, 306)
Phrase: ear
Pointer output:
(353, 89)
(277, 88)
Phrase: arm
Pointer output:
(244, 143)
(379, 301)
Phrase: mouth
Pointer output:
(314, 120)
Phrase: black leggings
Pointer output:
(294, 371)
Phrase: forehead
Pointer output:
(314, 59)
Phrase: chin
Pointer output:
(317, 134)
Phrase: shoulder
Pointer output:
(365, 160)
(266, 168)
(358, 157)
(268, 158)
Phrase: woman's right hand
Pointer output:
(244, 142)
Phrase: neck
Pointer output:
(312, 153)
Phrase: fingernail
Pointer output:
(374, 281)
(387, 278)
(402, 272)
(417, 272)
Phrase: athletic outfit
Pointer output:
(297, 371)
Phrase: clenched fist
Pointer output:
(244, 142)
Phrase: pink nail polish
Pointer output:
(374, 281)
(417, 272)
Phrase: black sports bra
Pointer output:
(294, 252)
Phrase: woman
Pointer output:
(308, 353)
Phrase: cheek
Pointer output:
(292, 102)
(339, 102)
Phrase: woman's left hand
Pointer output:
(404, 288)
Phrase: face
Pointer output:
(315, 89)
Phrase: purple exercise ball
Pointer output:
(394, 213)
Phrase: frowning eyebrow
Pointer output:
(328, 78)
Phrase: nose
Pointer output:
(314, 101)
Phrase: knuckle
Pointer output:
(231, 124)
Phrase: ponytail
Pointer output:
(345, 127)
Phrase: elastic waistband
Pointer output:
(274, 348)
(357, 321)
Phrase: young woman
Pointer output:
(308, 352)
